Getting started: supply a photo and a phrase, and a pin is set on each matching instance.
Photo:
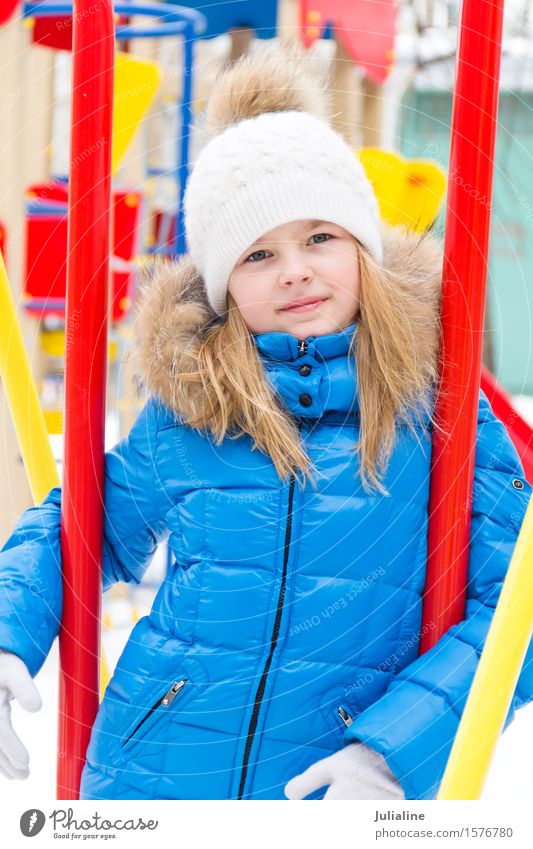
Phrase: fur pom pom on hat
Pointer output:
(273, 158)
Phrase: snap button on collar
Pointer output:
(305, 400)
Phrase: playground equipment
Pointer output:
(239, 15)
(473, 137)
(46, 248)
(463, 301)
(464, 278)
(89, 199)
(170, 21)
(7, 10)
(136, 84)
(3, 240)
(365, 28)
(26, 412)
(44, 287)
(423, 131)
(85, 367)
(22, 398)
(496, 676)
(363, 32)
(409, 191)
(518, 429)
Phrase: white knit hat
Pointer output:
(269, 169)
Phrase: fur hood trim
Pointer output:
(173, 315)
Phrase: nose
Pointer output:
(295, 268)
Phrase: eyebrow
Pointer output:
(310, 226)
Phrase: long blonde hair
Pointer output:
(227, 392)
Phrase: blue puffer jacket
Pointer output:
(283, 604)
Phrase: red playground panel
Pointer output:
(126, 207)
(3, 241)
(56, 32)
(46, 249)
(50, 192)
(518, 429)
(53, 32)
(7, 9)
(366, 28)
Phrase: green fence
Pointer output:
(425, 133)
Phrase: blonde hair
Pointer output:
(227, 391)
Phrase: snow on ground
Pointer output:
(524, 405)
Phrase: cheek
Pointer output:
(345, 281)
(251, 292)
(237, 288)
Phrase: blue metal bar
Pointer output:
(36, 207)
(156, 31)
(53, 304)
(183, 159)
(175, 19)
(160, 172)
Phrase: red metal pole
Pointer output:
(474, 116)
(85, 374)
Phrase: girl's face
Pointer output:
(312, 261)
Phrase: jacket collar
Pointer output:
(173, 317)
(283, 347)
(327, 382)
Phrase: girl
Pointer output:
(289, 364)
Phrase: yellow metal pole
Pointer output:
(496, 677)
(26, 412)
(22, 398)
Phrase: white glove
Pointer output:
(354, 772)
(15, 683)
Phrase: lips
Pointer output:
(304, 302)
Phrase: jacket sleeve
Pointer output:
(413, 725)
(30, 561)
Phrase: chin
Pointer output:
(318, 326)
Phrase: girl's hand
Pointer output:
(15, 683)
(355, 772)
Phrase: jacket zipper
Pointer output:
(344, 715)
(163, 702)
(302, 349)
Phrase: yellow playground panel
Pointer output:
(136, 84)
(496, 677)
(409, 192)
(26, 412)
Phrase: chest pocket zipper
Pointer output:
(160, 706)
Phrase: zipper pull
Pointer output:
(344, 715)
(173, 692)
(302, 348)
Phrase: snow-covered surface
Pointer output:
(524, 405)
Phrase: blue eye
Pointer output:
(318, 235)
(255, 254)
